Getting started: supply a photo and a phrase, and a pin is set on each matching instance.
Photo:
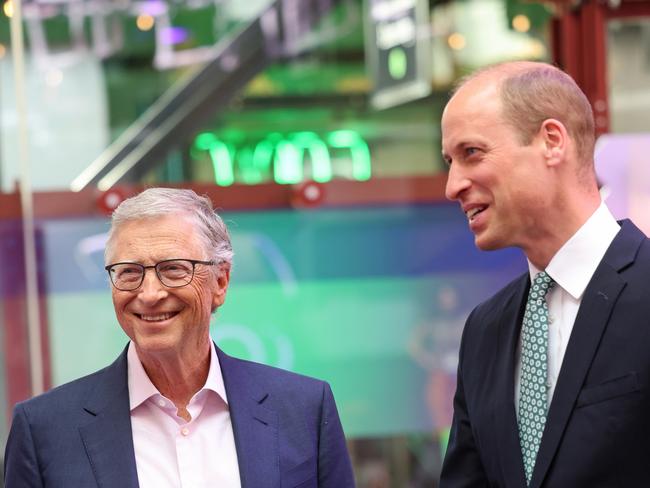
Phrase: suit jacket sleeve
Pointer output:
(462, 467)
(334, 467)
(21, 468)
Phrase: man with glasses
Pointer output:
(174, 410)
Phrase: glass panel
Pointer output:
(380, 318)
(372, 299)
(94, 67)
(628, 63)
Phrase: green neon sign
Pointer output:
(397, 63)
(282, 158)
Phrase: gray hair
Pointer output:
(161, 202)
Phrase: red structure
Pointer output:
(579, 39)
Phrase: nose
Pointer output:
(151, 290)
(457, 182)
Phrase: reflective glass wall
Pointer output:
(364, 279)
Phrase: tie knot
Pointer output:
(542, 284)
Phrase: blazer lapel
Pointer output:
(107, 436)
(508, 433)
(597, 305)
(255, 426)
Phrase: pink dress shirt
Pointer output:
(173, 453)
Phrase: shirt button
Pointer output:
(185, 431)
(161, 402)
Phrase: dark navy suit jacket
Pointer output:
(597, 432)
(286, 427)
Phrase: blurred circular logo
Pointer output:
(110, 200)
(308, 194)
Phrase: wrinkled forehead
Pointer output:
(135, 224)
(176, 232)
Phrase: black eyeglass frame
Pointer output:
(193, 262)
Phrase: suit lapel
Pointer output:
(595, 310)
(255, 426)
(508, 433)
(107, 436)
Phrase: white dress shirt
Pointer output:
(173, 453)
(571, 268)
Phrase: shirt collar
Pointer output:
(575, 263)
(141, 388)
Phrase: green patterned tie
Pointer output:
(533, 396)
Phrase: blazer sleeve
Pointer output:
(462, 467)
(334, 467)
(21, 469)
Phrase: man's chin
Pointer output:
(154, 344)
(485, 242)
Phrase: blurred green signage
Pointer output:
(397, 50)
(287, 158)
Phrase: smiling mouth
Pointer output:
(159, 317)
(471, 214)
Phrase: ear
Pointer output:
(221, 286)
(555, 140)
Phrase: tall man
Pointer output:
(174, 410)
(553, 370)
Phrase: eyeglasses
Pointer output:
(173, 273)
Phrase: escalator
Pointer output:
(282, 28)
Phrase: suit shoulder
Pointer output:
(494, 304)
(62, 397)
(279, 379)
(483, 322)
(644, 251)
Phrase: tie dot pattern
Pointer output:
(533, 397)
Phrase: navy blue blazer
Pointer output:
(286, 427)
(597, 432)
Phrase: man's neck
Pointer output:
(177, 378)
(561, 227)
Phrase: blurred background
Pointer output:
(313, 125)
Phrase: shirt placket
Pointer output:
(187, 441)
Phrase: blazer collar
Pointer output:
(107, 436)
(254, 424)
(596, 307)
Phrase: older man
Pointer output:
(554, 369)
(173, 410)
